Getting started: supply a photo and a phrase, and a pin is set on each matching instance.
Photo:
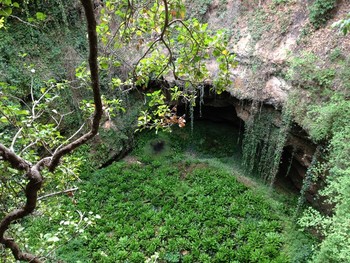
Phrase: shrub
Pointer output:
(330, 122)
(310, 72)
(320, 12)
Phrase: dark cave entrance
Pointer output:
(291, 172)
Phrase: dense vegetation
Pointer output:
(175, 200)
(154, 205)
(320, 12)
(327, 121)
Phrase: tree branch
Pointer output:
(58, 193)
(160, 38)
(22, 21)
(33, 173)
(31, 193)
(93, 52)
(15, 161)
(15, 138)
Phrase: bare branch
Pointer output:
(36, 102)
(22, 21)
(70, 138)
(58, 193)
(15, 138)
(62, 116)
(166, 22)
(32, 97)
(28, 146)
(43, 95)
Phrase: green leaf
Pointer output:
(23, 112)
(53, 239)
(7, 11)
(7, 2)
(3, 119)
(225, 52)
(40, 16)
(2, 21)
(104, 65)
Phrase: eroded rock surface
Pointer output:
(264, 37)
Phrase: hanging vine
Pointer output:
(264, 140)
(201, 99)
(290, 162)
(280, 142)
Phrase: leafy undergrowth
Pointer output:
(204, 215)
(164, 204)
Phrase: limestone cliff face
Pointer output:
(265, 36)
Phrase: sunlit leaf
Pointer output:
(40, 16)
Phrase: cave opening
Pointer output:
(290, 173)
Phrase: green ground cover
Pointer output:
(176, 199)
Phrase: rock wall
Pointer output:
(298, 146)
(265, 36)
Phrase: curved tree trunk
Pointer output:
(33, 171)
